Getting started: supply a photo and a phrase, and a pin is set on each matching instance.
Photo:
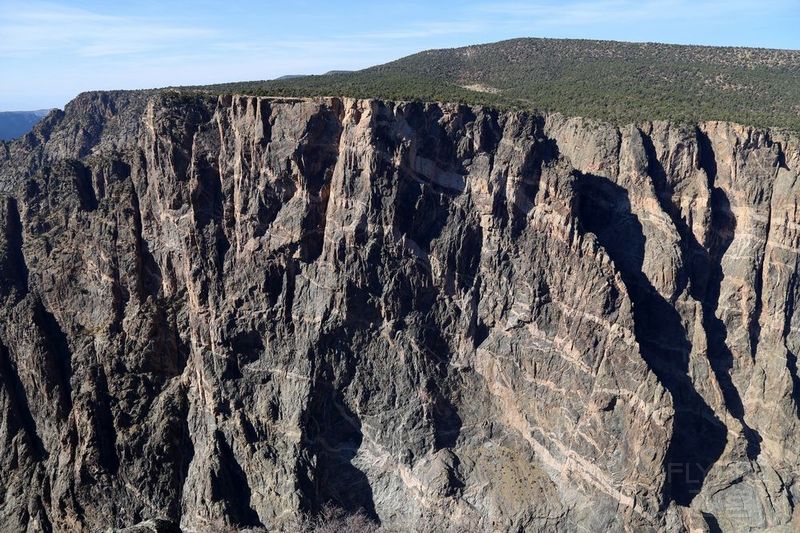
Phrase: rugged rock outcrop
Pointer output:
(228, 312)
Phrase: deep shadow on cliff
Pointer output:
(237, 312)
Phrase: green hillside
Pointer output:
(620, 82)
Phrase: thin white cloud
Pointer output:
(586, 12)
(428, 29)
(32, 29)
(84, 49)
(36, 29)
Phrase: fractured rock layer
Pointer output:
(233, 311)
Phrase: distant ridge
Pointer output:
(615, 81)
(296, 76)
(14, 124)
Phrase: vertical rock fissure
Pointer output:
(207, 202)
(316, 158)
(149, 274)
(104, 422)
(791, 357)
(333, 435)
(187, 449)
(699, 436)
(754, 325)
(57, 345)
(16, 254)
(19, 403)
(721, 235)
(232, 486)
(754, 322)
(84, 184)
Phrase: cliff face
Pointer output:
(229, 312)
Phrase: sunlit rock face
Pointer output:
(230, 312)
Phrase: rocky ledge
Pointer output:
(234, 312)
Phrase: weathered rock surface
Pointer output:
(229, 312)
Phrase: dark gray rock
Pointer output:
(227, 313)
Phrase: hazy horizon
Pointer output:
(51, 51)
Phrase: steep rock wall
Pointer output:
(232, 311)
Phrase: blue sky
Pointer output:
(50, 51)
